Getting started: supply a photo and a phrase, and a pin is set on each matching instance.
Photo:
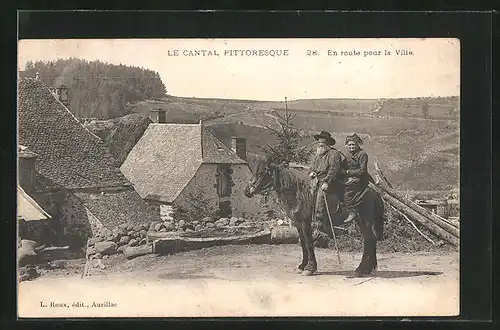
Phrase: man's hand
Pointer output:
(324, 186)
(312, 175)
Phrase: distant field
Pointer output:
(415, 153)
(411, 162)
(345, 124)
(438, 107)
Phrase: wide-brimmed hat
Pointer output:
(327, 136)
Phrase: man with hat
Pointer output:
(325, 173)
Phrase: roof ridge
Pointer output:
(223, 146)
(67, 109)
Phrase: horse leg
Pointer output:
(305, 255)
(311, 265)
(369, 260)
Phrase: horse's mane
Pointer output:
(292, 190)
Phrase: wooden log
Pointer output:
(172, 243)
(454, 224)
(284, 235)
(417, 217)
(131, 252)
(382, 175)
(422, 211)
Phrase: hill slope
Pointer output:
(415, 153)
(120, 134)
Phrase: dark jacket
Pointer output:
(356, 165)
(327, 168)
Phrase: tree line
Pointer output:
(97, 89)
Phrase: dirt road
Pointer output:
(255, 280)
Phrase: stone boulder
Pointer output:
(133, 242)
(120, 231)
(124, 240)
(222, 222)
(207, 220)
(169, 226)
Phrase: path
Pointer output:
(255, 280)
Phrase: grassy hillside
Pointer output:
(315, 122)
(415, 153)
(256, 136)
(411, 162)
(120, 134)
(439, 107)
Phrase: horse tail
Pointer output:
(378, 218)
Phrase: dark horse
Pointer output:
(295, 196)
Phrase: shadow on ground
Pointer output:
(384, 273)
(184, 276)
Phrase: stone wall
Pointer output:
(71, 224)
(206, 180)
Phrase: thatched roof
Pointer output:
(167, 157)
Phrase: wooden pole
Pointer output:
(434, 228)
(422, 211)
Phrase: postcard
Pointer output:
(238, 177)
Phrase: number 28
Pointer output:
(312, 52)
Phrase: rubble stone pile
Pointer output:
(107, 242)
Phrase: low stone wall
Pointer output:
(107, 242)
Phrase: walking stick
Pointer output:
(333, 230)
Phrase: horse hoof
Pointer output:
(307, 273)
(299, 271)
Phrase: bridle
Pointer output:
(268, 186)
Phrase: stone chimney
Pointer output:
(26, 168)
(162, 116)
(239, 146)
(62, 94)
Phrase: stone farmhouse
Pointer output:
(173, 163)
(69, 172)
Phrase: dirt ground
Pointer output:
(247, 280)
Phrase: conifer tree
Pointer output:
(288, 137)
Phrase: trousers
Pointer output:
(321, 212)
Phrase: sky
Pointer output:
(433, 68)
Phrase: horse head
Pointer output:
(263, 178)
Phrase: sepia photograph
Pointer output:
(238, 177)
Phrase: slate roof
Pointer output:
(69, 155)
(120, 207)
(167, 157)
